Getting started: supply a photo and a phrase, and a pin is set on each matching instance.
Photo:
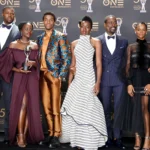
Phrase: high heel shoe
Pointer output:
(137, 147)
(146, 138)
(20, 144)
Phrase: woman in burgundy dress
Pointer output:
(24, 123)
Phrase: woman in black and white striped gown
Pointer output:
(83, 121)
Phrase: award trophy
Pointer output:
(27, 52)
(37, 5)
(143, 2)
(89, 6)
(119, 22)
(64, 25)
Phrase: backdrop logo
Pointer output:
(119, 23)
(35, 4)
(114, 3)
(38, 25)
(140, 5)
(148, 26)
(62, 23)
(95, 26)
(12, 3)
(86, 5)
(61, 3)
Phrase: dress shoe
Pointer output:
(118, 143)
(109, 143)
(46, 141)
(54, 142)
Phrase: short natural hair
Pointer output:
(109, 16)
(88, 19)
(49, 13)
(8, 7)
(21, 25)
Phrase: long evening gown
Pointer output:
(83, 121)
(22, 83)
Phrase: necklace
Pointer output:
(24, 42)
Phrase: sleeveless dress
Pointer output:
(83, 121)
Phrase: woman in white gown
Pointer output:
(83, 121)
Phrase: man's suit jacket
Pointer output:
(13, 35)
(58, 55)
(113, 64)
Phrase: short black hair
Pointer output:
(109, 16)
(143, 23)
(8, 7)
(49, 13)
(21, 25)
(86, 18)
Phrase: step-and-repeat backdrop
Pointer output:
(69, 12)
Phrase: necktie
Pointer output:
(109, 37)
(6, 26)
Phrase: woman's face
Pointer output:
(141, 31)
(85, 28)
(27, 30)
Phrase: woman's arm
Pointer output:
(72, 67)
(98, 52)
(130, 87)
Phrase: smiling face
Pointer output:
(27, 30)
(141, 31)
(49, 22)
(110, 25)
(8, 15)
(85, 28)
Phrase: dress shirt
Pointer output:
(111, 43)
(4, 33)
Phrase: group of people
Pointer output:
(101, 70)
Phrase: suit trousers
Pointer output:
(6, 88)
(112, 95)
(51, 98)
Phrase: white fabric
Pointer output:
(111, 43)
(4, 33)
(83, 121)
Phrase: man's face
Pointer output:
(49, 22)
(8, 15)
(110, 25)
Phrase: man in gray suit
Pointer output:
(112, 81)
(8, 32)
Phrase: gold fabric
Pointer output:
(50, 92)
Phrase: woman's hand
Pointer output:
(20, 70)
(131, 90)
(31, 63)
(96, 88)
(149, 70)
(147, 89)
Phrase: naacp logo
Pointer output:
(114, 3)
(119, 23)
(140, 5)
(61, 3)
(35, 5)
(86, 5)
(38, 25)
(12, 3)
(62, 22)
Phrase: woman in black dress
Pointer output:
(138, 79)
